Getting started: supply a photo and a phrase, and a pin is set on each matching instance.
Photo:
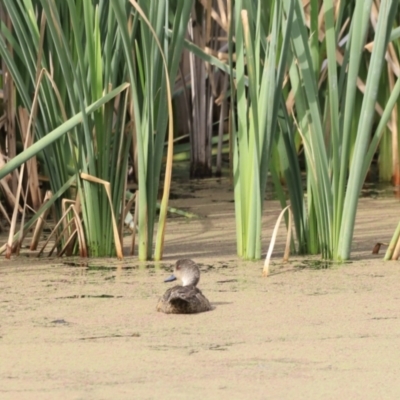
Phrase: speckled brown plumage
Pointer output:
(186, 299)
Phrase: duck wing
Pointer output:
(183, 300)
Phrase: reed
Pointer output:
(259, 65)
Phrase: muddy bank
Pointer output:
(91, 331)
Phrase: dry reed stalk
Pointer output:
(9, 101)
(396, 252)
(11, 200)
(40, 222)
(68, 247)
(54, 232)
(135, 221)
(395, 137)
(106, 185)
(68, 226)
(32, 165)
(20, 179)
(77, 230)
(273, 239)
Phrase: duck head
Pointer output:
(187, 271)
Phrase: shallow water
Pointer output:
(88, 329)
(86, 333)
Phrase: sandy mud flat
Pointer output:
(89, 330)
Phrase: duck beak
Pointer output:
(171, 278)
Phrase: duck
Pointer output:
(185, 299)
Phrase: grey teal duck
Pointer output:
(185, 299)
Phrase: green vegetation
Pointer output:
(94, 83)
